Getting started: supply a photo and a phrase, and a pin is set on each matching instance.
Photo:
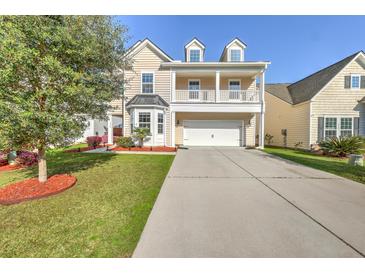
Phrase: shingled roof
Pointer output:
(305, 89)
(279, 90)
(147, 100)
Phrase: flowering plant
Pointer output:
(3, 158)
(26, 158)
(93, 141)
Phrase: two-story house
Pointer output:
(328, 103)
(194, 102)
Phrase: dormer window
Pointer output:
(194, 55)
(194, 51)
(234, 51)
(235, 55)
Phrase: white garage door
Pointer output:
(212, 133)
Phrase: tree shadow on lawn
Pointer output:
(332, 165)
(62, 162)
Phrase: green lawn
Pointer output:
(103, 215)
(330, 164)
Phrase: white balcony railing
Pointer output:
(210, 96)
(195, 96)
(239, 96)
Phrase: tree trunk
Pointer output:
(42, 166)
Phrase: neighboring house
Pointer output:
(325, 104)
(193, 102)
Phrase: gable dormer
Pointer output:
(194, 51)
(234, 51)
(146, 43)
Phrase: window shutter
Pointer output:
(362, 82)
(347, 81)
(356, 126)
(320, 129)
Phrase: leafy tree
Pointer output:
(141, 133)
(55, 71)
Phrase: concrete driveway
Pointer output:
(231, 202)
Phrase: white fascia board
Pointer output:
(236, 41)
(146, 106)
(216, 64)
(231, 108)
(194, 41)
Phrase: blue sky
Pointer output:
(296, 45)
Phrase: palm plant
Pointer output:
(341, 146)
(141, 133)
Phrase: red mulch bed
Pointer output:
(82, 149)
(32, 189)
(10, 167)
(156, 149)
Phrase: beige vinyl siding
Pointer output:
(281, 115)
(249, 130)
(247, 83)
(337, 101)
(147, 61)
(208, 82)
(117, 105)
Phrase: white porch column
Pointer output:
(262, 88)
(110, 129)
(92, 127)
(262, 113)
(173, 127)
(217, 86)
(262, 130)
(173, 86)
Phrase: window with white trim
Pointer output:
(235, 55)
(330, 127)
(147, 82)
(338, 127)
(346, 126)
(144, 120)
(194, 55)
(355, 81)
(234, 87)
(160, 123)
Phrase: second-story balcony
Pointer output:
(221, 96)
(238, 84)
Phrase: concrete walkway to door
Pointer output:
(232, 202)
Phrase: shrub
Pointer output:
(298, 145)
(104, 138)
(341, 146)
(125, 142)
(93, 141)
(268, 139)
(141, 133)
(26, 158)
(3, 158)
